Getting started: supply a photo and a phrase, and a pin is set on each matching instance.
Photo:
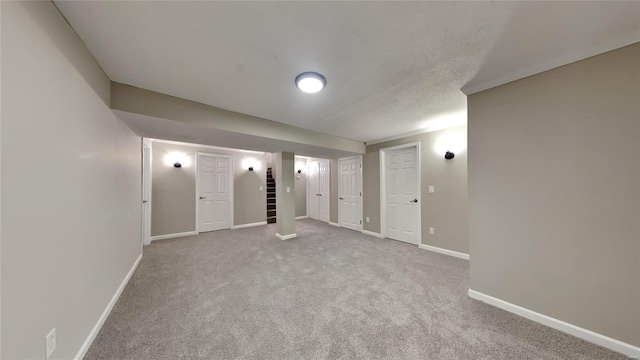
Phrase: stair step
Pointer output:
(271, 197)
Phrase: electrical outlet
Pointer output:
(288, 189)
(432, 189)
(50, 343)
(432, 231)
(260, 188)
(367, 219)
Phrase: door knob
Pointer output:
(341, 198)
(144, 201)
(202, 197)
(414, 201)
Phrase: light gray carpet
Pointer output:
(327, 294)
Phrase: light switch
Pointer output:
(432, 231)
(260, 188)
(288, 189)
(367, 219)
(432, 189)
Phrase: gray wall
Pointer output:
(446, 210)
(140, 101)
(301, 186)
(70, 186)
(285, 200)
(554, 185)
(174, 189)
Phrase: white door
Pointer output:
(323, 189)
(350, 198)
(314, 190)
(401, 185)
(319, 190)
(146, 195)
(214, 192)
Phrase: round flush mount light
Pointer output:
(310, 82)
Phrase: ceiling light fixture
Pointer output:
(310, 82)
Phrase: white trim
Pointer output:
(339, 170)
(306, 174)
(231, 183)
(444, 251)
(243, 226)
(584, 334)
(371, 233)
(334, 224)
(286, 237)
(383, 183)
(582, 54)
(429, 129)
(206, 146)
(170, 236)
(96, 329)
(302, 217)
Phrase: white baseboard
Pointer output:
(234, 227)
(444, 251)
(170, 236)
(96, 329)
(584, 334)
(371, 233)
(302, 217)
(334, 224)
(286, 237)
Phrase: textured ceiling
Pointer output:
(391, 67)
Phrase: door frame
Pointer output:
(383, 183)
(146, 184)
(308, 194)
(361, 190)
(231, 177)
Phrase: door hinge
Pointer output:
(360, 222)
(360, 193)
(360, 166)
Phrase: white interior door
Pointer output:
(146, 194)
(401, 183)
(350, 193)
(324, 189)
(314, 190)
(214, 192)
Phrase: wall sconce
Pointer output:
(250, 168)
(449, 155)
(177, 159)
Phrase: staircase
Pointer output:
(271, 197)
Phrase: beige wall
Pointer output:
(446, 210)
(70, 186)
(554, 185)
(174, 189)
